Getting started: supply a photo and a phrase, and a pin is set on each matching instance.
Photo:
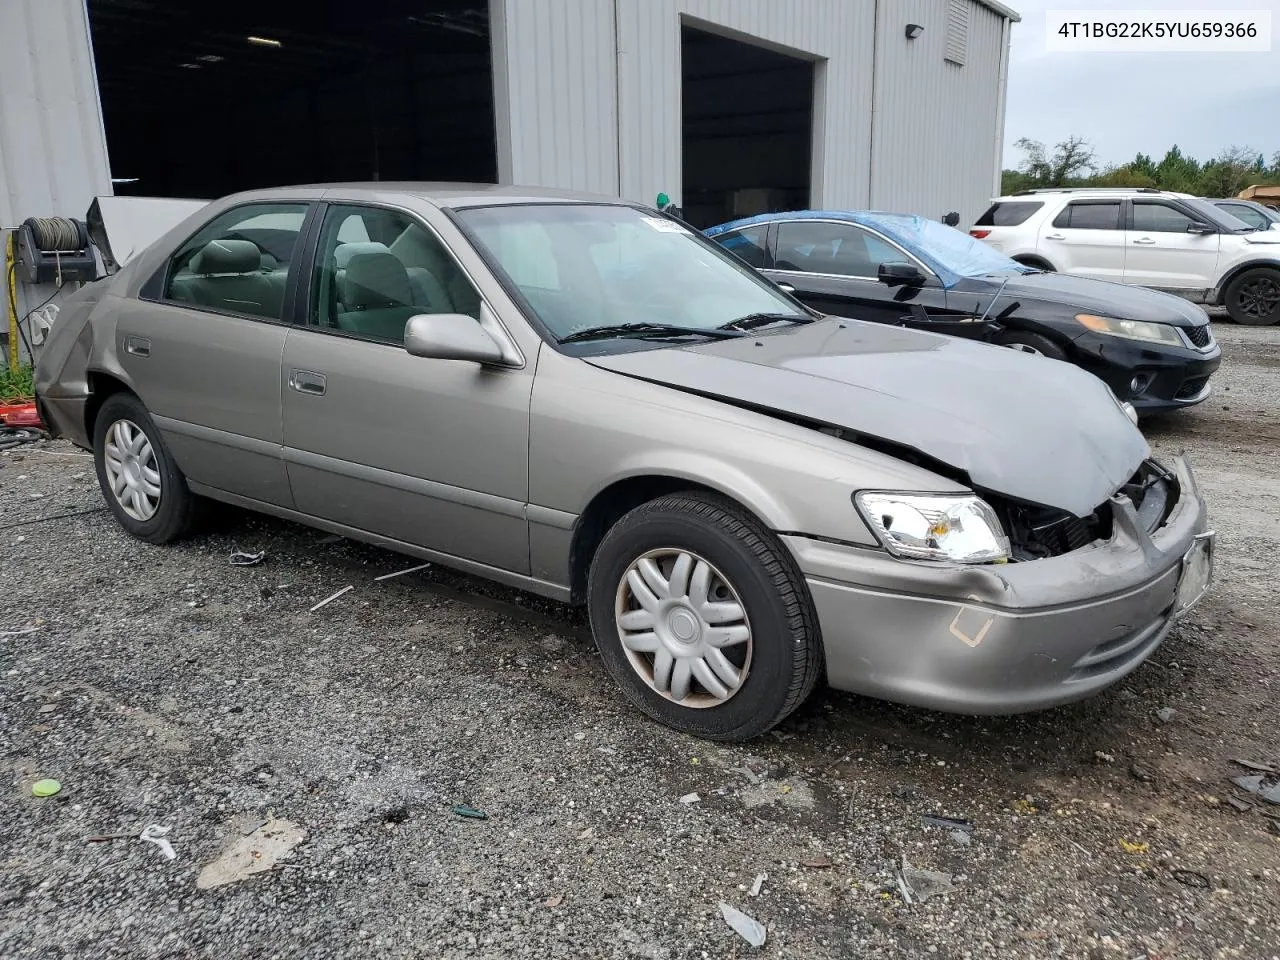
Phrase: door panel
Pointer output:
(430, 452)
(213, 384)
(1160, 252)
(1086, 238)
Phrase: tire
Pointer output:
(1032, 343)
(748, 569)
(123, 418)
(1253, 298)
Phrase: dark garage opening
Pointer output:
(748, 129)
(201, 100)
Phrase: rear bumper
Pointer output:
(1008, 638)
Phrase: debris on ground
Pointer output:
(820, 862)
(257, 853)
(746, 927)
(154, 833)
(401, 573)
(961, 838)
(328, 600)
(1191, 878)
(690, 798)
(1242, 806)
(241, 559)
(1257, 765)
(946, 823)
(1266, 788)
(1131, 846)
(553, 901)
(472, 813)
(923, 884)
(1166, 714)
(1140, 773)
(45, 788)
(757, 883)
(1101, 756)
(19, 633)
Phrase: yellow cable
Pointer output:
(11, 301)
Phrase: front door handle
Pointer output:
(137, 346)
(1054, 236)
(786, 288)
(1144, 240)
(304, 381)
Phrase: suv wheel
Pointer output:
(702, 618)
(1253, 298)
(142, 485)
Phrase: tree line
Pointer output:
(1072, 163)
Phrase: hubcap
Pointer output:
(1260, 297)
(133, 473)
(683, 627)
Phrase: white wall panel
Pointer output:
(53, 153)
(938, 126)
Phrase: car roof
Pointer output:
(439, 193)
(1090, 193)
(876, 219)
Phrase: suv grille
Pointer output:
(1200, 336)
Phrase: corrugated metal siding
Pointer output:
(53, 153)
(937, 125)
(555, 81)
(560, 82)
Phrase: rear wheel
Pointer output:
(702, 618)
(1253, 298)
(1035, 263)
(140, 482)
(1034, 343)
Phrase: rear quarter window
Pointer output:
(1008, 213)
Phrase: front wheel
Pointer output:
(702, 618)
(1253, 298)
(1034, 343)
(142, 485)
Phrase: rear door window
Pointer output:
(1089, 215)
(1008, 213)
(747, 243)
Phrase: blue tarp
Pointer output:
(948, 252)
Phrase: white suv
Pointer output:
(1151, 238)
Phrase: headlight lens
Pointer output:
(960, 528)
(1132, 329)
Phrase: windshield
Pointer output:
(946, 249)
(581, 266)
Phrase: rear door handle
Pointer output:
(1054, 236)
(1144, 240)
(137, 346)
(786, 287)
(304, 381)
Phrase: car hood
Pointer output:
(1269, 237)
(1094, 296)
(1034, 429)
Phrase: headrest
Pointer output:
(227, 256)
(375, 280)
(342, 256)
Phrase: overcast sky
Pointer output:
(1126, 103)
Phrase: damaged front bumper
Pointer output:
(1014, 637)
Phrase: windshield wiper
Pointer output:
(753, 320)
(646, 330)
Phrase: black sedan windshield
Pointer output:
(588, 266)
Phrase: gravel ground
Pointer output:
(165, 686)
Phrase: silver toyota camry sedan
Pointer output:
(582, 398)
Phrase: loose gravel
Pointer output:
(166, 686)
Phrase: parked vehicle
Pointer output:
(584, 399)
(1249, 212)
(1149, 238)
(1154, 350)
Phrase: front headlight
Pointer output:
(1132, 329)
(960, 528)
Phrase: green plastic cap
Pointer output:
(663, 200)
(45, 788)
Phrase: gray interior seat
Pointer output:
(228, 275)
(376, 296)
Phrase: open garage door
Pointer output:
(200, 100)
(748, 129)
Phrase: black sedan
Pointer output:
(1153, 349)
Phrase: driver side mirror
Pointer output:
(900, 274)
(1202, 228)
(450, 336)
(951, 219)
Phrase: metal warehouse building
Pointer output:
(729, 106)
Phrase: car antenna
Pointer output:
(1004, 284)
